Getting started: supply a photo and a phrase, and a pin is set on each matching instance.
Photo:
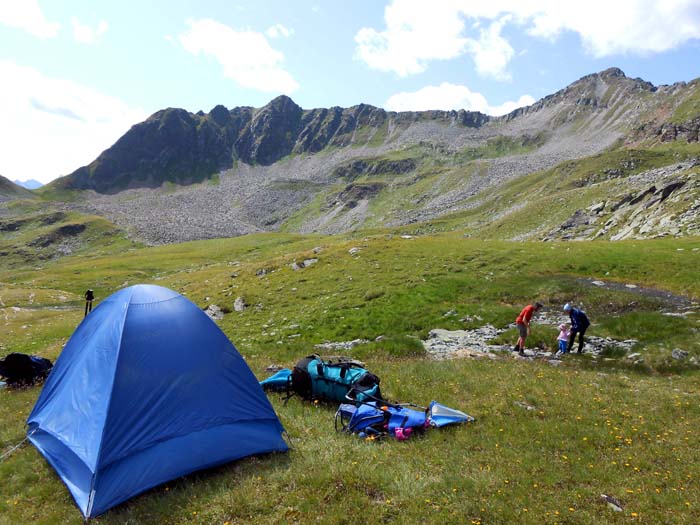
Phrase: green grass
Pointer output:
(689, 108)
(598, 427)
(500, 146)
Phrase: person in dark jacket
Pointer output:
(579, 325)
(89, 297)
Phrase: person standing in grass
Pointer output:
(579, 325)
(563, 338)
(89, 297)
(523, 324)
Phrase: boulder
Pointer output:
(240, 304)
(679, 354)
(214, 312)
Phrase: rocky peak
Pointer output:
(612, 72)
(220, 115)
(281, 104)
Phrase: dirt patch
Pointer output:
(59, 234)
(12, 226)
(52, 218)
(677, 302)
(354, 193)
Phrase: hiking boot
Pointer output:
(521, 352)
(516, 348)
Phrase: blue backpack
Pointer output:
(375, 420)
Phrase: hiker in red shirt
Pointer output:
(523, 324)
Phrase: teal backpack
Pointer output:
(336, 379)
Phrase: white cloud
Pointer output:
(53, 126)
(278, 30)
(492, 52)
(448, 96)
(416, 33)
(86, 34)
(246, 56)
(623, 26)
(419, 32)
(27, 15)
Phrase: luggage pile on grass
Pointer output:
(362, 410)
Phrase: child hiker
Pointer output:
(563, 338)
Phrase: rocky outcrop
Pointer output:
(655, 203)
(369, 167)
(687, 131)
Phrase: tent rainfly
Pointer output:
(147, 389)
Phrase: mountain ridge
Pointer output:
(183, 176)
(175, 145)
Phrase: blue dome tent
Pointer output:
(147, 389)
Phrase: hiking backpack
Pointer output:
(337, 379)
(24, 370)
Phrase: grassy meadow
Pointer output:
(596, 426)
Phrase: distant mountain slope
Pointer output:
(174, 145)
(9, 190)
(231, 172)
(30, 184)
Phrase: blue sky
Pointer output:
(75, 75)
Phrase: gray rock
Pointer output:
(679, 354)
(214, 312)
(441, 344)
(240, 304)
(597, 207)
(612, 502)
(354, 251)
(341, 345)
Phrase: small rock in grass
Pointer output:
(240, 304)
(214, 312)
(679, 354)
(612, 502)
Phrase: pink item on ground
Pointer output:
(402, 434)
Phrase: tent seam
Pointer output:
(109, 406)
(157, 302)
